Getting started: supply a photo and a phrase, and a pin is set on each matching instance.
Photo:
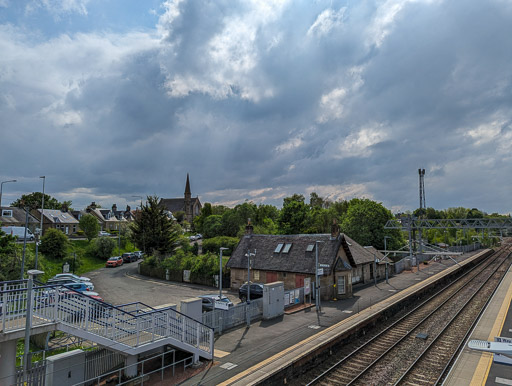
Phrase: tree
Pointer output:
(9, 265)
(364, 222)
(103, 247)
(294, 217)
(54, 244)
(89, 224)
(212, 226)
(33, 201)
(152, 229)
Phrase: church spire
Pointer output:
(187, 188)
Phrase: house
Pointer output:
(291, 259)
(106, 217)
(57, 219)
(190, 206)
(14, 216)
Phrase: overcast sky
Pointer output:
(258, 100)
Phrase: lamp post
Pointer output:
(143, 232)
(40, 233)
(317, 284)
(249, 254)
(1, 189)
(220, 272)
(28, 319)
(386, 257)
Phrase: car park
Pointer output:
(68, 281)
(256, 291)
(115, 261)
(211, 302)
(129, 257)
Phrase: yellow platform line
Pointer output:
(485, 362)
(220, 354)
(381, 305)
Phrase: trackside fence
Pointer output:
(221, 320)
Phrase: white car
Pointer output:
(103, 233)
(71, 276)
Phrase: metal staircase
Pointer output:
(129, 328)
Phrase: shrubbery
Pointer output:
(214, 244)
(54, 244)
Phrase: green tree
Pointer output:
(9, 265)
(89, 224)
(294, 217)
(364, 222)
(54, 244)
(213, 245)
(212, 226)
(33, 201)
(103, 247)
(152, 229)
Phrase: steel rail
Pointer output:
(455, 317)
(482, 265)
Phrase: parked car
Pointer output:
(199, 236)
(103, 233)
(115, 261)
(19, 232)
(256, 291)
(139, 254)
(78, 287)
(71, 276)
(209, 302)
(192, 238)
(68, 281)
(129, 257)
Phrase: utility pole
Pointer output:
(40, 233)
(24, 244)
(317, 284)
(249, 254)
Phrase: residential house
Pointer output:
(190, 206)
(14, 216)
(57, 219)
(106, 218)
(292, 258)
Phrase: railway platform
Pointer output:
(477, 367)
(246, 356)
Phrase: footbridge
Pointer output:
(131, 329)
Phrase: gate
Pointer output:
(36, 374)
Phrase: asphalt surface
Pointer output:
(123, 285)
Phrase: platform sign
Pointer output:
(307, 286)
(186, 275)
(320, 272)
(500, 358)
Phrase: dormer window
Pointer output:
(6, 213)
(278, 248)
(286, 248)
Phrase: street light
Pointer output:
(1, 188)
(220, 272)
(143, 231)
(249, 254)
(40, 233)
(317, 285)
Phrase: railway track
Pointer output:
(408, 351)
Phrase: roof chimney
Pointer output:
(114, 208)
(93, 205)
(64, 207)
(248, 228)
(128, 209)
(335, 229)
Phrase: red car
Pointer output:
(114, 261)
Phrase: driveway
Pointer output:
(122, 285)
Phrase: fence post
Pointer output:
(198, 334)
(153, 327)
(87, 303)
(138, 329)
(56, 301)
(183, 328)
(5, 306)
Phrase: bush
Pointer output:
(103, 247)
(213, 245)
(54, 244)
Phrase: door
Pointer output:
(299, 281)
(271, 277)
(341, 285)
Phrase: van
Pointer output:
(19, 232)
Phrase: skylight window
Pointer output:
(286, 248)
(278, 248)
(310, 248)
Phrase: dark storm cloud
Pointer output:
(260, 100)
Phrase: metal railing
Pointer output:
(221, 320)
(131, 325)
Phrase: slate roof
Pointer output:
(176, 204)
(59, 217)
(299, 259)
(18, 217)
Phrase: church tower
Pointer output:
(188, 201)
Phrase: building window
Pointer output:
(278, 248)
(310, 248)
(286, 248)
(6, 213)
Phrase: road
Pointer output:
(122, 285)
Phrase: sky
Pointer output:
(257, 100)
